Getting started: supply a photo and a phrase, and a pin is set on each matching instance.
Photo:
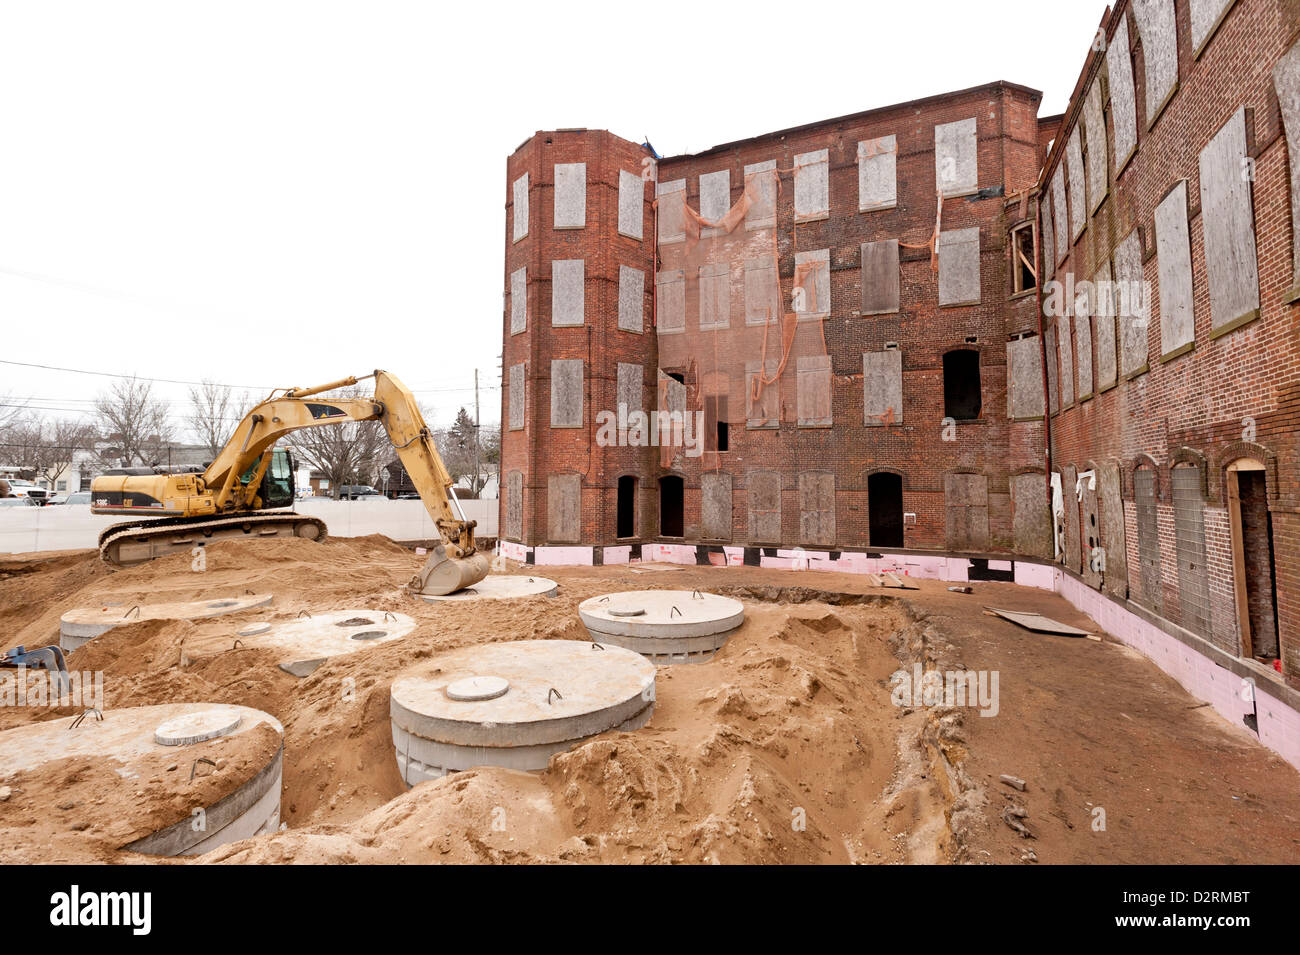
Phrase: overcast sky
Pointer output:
(284, 193)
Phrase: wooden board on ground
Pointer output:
(1038, 623)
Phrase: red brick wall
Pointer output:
(1213, 399)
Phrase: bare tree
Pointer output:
(346, 453)
(134, 424)
(12, 412)
(61, 440)
(467, 450)
(214, 411)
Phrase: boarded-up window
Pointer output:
(814, 391)
(568, 299)
(1024, 379)
(515, 505)
(812, 283)
(764, 506)
(670, 301)
(1049, 347)
(1061, 224)
(715, 295)
(762, 394)
(570, 195)
(566, 393)
(762, 291)
(1206, 16)
(1102, 297)
(956, 151)
(715, 506)
(1131, 304)
(1286, 80)
(1115, 569)
(811, 186)
(1144, 494)
(878, 173)
(959, 266)
(1070, 516)
(631, 299)
(1083, 342)
(519, 301)
(1031, 522)
(966, 501)
(1095, 129)
(882, 388)
(520, 205)
(631, 382)
(715, 195)
(564, 508)
(517, 396)
(1230, 264)
(816, 507)
(1047, 235)
(1173, 249)
(1074, 170)
(761, 181)
(880, 277)
(1155, 22)
(1123, 97)
(672, 210)
(1189, 535)
(1065, 340)
(631, 205)
(1090, 530)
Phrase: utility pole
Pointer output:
(478, 463)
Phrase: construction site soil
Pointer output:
(785, 747)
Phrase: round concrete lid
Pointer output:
(502, 587)
(196, 727)
(474, 688)
(558, 690)
(254, 630)
(662, 613)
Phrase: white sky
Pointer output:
(284, 193)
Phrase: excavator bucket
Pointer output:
(442, 575)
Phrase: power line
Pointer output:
(180, 381)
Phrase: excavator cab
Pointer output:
(277, 487)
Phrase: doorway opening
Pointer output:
(671, 494)
(626, 519)
(1252, 559)
(885, 509)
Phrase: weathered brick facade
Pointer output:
(1193, 388)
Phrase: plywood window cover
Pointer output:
(820, 157)
(1173, 88)
(1125, 51)
(868, 149)
(519, 198)
(1214, 28)
(640, 198)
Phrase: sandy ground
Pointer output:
(786, 747)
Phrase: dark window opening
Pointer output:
(1022, 252)
(885, 509)
(715, 420)
(671, 494)
(676, 376)
(626, 507)
(961, 385)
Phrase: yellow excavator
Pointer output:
(243, 492)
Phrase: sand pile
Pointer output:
(777, 750)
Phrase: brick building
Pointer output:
(1152, 455)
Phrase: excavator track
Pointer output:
(134, 542)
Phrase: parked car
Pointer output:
(21, 488)
(19, 502)
(78, 499)
(351, 492)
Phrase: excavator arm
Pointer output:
(454, 563)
